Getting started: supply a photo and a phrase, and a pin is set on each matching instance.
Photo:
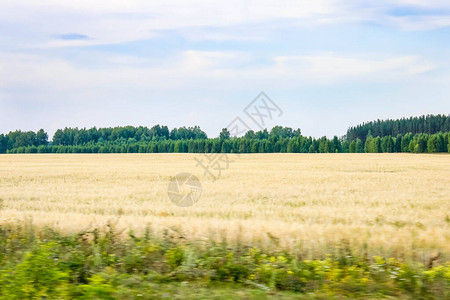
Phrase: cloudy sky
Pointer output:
(328, 64)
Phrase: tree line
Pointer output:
(159, 139)
(77, 137)
(255, 142)
(429, 124)
(412, 143)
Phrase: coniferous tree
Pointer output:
(3, 143)
(429, 124)
(398, 143)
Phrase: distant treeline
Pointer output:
(424, 124)
(78, 137)
(426, 134)
(278, 140)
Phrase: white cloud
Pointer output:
(421, 22)
(36, 23)
(432, 4)
(334, 67)
(158, 81)
(122, 21)
(200, 68)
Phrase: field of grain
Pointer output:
(396, 204)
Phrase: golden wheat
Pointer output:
(395, 203)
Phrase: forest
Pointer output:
(425, 134)
(429, 124)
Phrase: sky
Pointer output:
(327, 64)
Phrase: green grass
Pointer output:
(104, 265)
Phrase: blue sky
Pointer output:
(327, 64)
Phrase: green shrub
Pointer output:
(101, 265)
(38, 275)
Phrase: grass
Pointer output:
(102, 265)
(356, 214)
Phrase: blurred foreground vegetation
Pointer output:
(102, 264)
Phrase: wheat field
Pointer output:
(394, 204)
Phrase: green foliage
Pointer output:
(372, 145)
(159, 139)
(352, 147)
(97, 288)
(436, 143)
(38, 275)
(224, 134)
(429, 124)
(102, 265)
(174, 257)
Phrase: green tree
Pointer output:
(324, 145)
(224, 134)
(226, 146)
(255, 146)
(242, 146)
(178, 148)
(376, 145)
(293, 145)
(387, 144)
(420, 143)
(368, 145)
(359, 146)
(217, 146)
(436, 143)
(345, 146)
(262, 135)
(398, 143)
(3, 143)
(336, 145)
(250, 135)
(41, 138)
(352, 147)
